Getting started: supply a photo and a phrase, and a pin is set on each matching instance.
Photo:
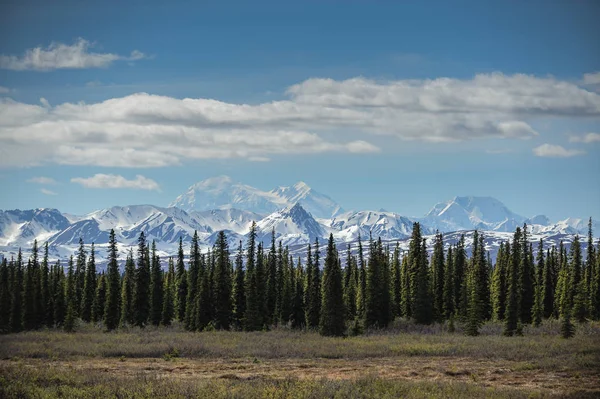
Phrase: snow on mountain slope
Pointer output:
(20, 228)
(465, 213)
(387, 225)
(231, 219)
(223, 193)
(292, 225)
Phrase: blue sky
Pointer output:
(379, 105)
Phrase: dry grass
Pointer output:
(425, 362)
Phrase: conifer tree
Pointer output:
(437, 284)
(460, 280)
(332, 321)
(202, 307)
(4, 297)
(239, 293)
(79, 275)
(193, 281)
(16, 303)
(590, 265)
(70, 294)
(547, 285)
(377, 301)
(526, 277)
(29, 313)
(156, 288)
(538, 301)
(58, 294)
(113, 286)
(596, 287)
(279, 282)
(420, 298)
(298, 319)
(498, 288)
(449, 294)
(141, 292)
(396, 283)
(362, 281)
(168, 310)
(99, 299)
(477, 286)
(46, 310)
(561, 296)
(577, 292)
(567, 329)
(253, 316)
(272, 284)
(512, 312)
(182, 284)
(223, 280)
(89, 287)
(313, 289)
(287, 288)
(405, 304)
(261, 287)
(128, 291)
(351, 285)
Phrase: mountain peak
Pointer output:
(216, 181)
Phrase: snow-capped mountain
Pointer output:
(387, 225)
(286, 210)
(292, 225)
(469, 213)
(223, 193)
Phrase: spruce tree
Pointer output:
(202, 307)
(239, 293)
(16, 303)
(351, 285)
(113, 286)
(253, 314)
(512, 312)
(58, 294)
(477, 287)
(182, 284)
(332, 321)
(313, 288)
(128, 291)
(362, 281)
(437, 284)
(396, 283)
(223, 280)
(272, 284)
(194, 280)
(298, 318)
(421, 301)
(498, 288)
(547, 285)
(4, 297)
(156, 288)
(29, 313)
(538, 303)
(460, 280)
(168, 310)
(141, 294)
(577, 290)
(71, 299)
(46, 310)
(377, 301)
(596, 286)
(99, 299)
(79, 275)
(590, 266)
(526, 277)
(89, 288)
(449, 285)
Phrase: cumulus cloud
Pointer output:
(47, 192)
(592, 78)
(586, 138)
(101, 180)
(64, 56)
(319, 115)
(42, 180)
(555, 151)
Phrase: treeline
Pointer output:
(258, 288)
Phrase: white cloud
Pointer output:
(42, 180)
(586, 138)
(47, 192)
(101, 180)
(4, 90)
(143, 130)
(64, 56)
(555, 151)
(592, 78)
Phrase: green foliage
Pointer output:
(239, 293)
(127, 292)
(156, 288)
(223, 281)
(420, 298)
(89, 287)
(313, 287)
(332, 320)
(99, 299)
(168, 306)
(181, 281)
(113, 286)
(141, 293)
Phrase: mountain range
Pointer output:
(297, 214)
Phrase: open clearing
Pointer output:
(284, 363)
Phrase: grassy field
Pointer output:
(403, 361)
